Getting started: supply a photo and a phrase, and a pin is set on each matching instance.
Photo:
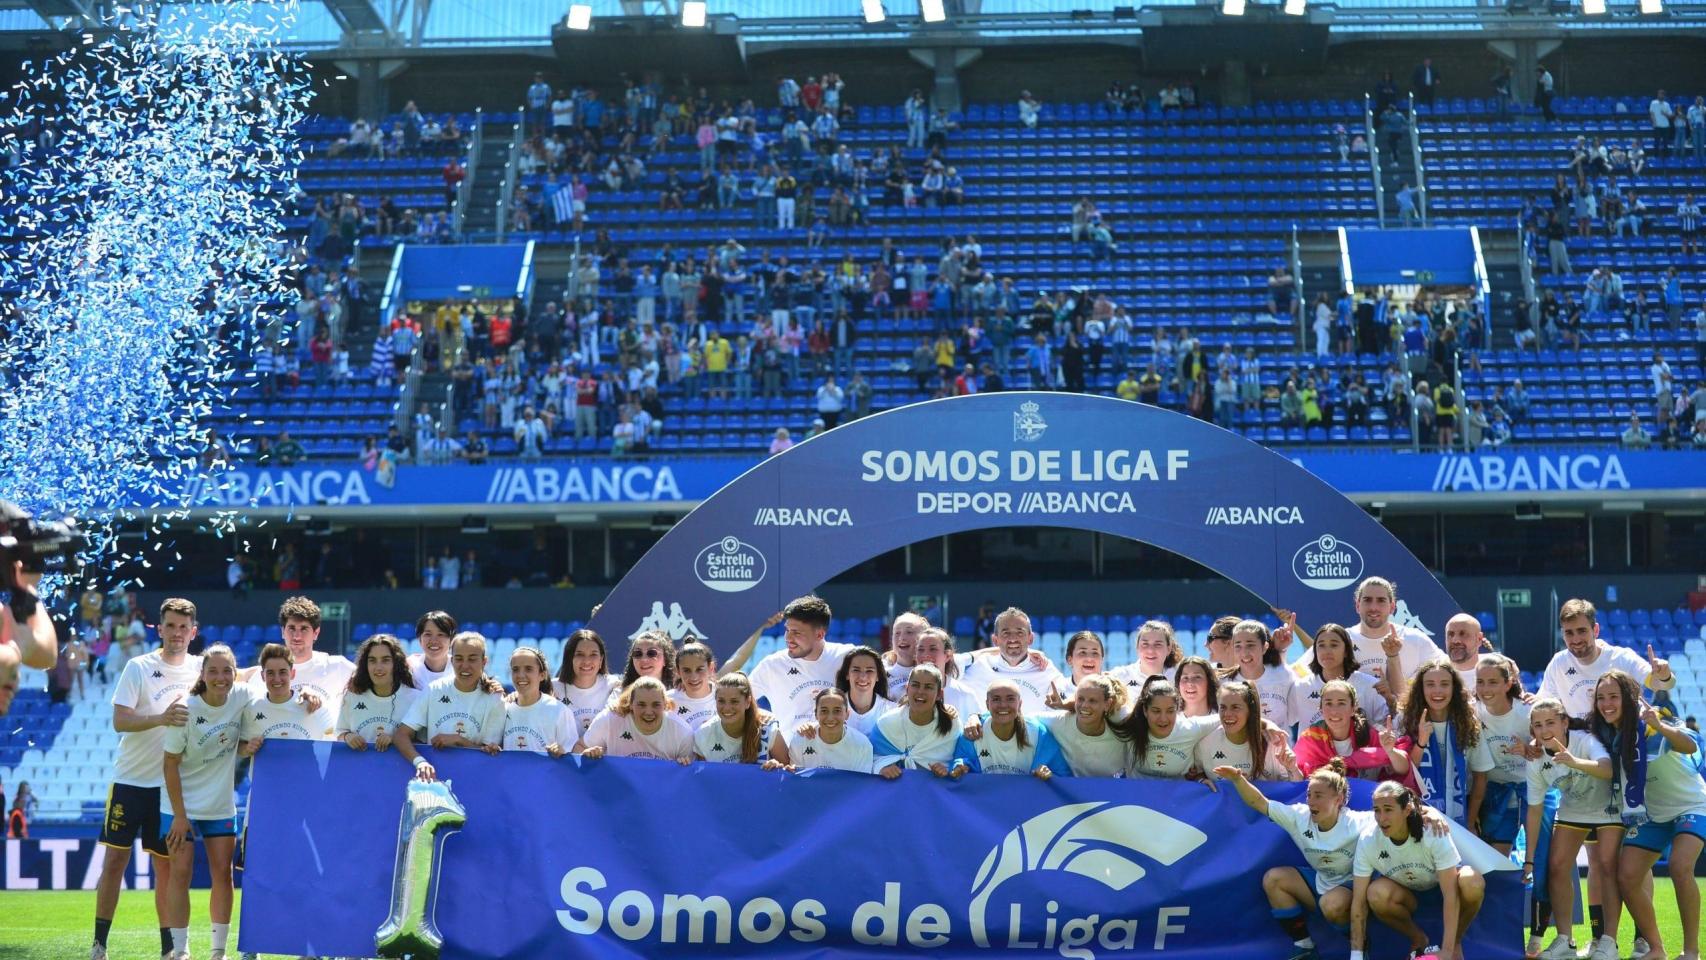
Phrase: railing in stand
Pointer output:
(1374, 159)
(465, 190)
(510, 169)
(1421, 187)
(1300, 306)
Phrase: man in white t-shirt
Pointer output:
(903, 646)
(322, 675)
(1463, 644)
(789, 679)
(148, 699)
(1585, 658)
(1014, 663)
(1661, 113)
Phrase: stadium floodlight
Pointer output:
(1652, 8)
(1295, 8)
(1233, 8)
(932, 11)
(693, 13)
(1593, 8)
(874, 12)
(580, 16)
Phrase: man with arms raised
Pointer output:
(790, 679)
(322, 675)
(149, 698)
(1013, 661)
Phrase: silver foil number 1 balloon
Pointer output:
(430, 812)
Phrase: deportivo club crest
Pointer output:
(1028, 424)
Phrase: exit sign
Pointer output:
(1515, 598)
(335, 610)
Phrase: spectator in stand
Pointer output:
(780, 441)
(320, 354)
(1029, 109)
(1663, 388)
(1385, 93)
(563, 116)
(1291, 405)
(1688, 223)
(1543, 94)
(1280, 288)
(1635, 436)
(288, 451)
(787, 190)
(1557, 254)
(474, 448)
(1673, 297)
(453, 173)
(1424, 82)
(1128, 388)
(531, 435)
(1225, 399)
(539, 104)
(1661, 115)
(859, 395)
(1407, 212)
(831, 400)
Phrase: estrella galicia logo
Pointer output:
(1094, 840)
(1028, 422)
(1327, 563)
(729, 566)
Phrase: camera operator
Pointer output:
(27, 636)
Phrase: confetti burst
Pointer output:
(148, 252)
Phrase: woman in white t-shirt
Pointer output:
(1156, 652)
(832, 743)
(379, 694)
(651, 654)
(1241, 742)
(1675, 798)
(1199, 686)
(639, 724)
(936, 647)
(1009, 742)
(582, 681)
(694, 695)
(1410, 860)
(1258, 662)
(1086, 735)
(1504, 726)
(923, 733)
(200, 762)
(1575, 764)
(863, 680)
(535, 721)
(433, 631)
(1085, 656)
(1326, 833)
(1336, 659)
(1163, 743)
(737, 733)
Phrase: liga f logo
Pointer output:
(1094, 840)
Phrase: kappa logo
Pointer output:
(627, 735)
(361, 706)
(1028, 422)
(729, 566)
(811, 751)
(1571, 671)
(444, 698)
(158, 675)
(715, 747)
(983, 753)
(1309, 834)
(1402, 616)
(260, 716)
(675, 623)
(1219, 755)
(681, 710)
(793, 671)
(1099, 840)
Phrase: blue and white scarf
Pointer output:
(1443, 774)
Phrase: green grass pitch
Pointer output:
(59, 926)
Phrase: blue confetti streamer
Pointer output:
(148, 246)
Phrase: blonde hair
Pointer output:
(624, 705)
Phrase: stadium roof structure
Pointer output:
(405, 28)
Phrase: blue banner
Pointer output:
(638, 858)
(691, 479)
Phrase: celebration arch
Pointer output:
(1012, 459)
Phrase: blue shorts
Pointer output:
(204, 829)
(1502, 811)
(1656, 836)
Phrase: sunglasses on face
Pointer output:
(647, 654)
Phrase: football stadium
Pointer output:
(506, 479)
